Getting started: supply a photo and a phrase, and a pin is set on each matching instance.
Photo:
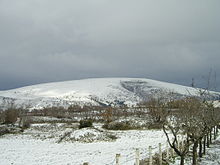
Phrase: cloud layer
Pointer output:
(45, 40)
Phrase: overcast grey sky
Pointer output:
(54, 40)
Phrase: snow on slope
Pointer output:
(91, 91)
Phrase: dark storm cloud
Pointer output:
(45, 40)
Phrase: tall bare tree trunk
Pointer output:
(200, 148)
(208, 140)
(195, 146)
(187, 139)
(182, 160)
(204, 145)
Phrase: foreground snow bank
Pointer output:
(22, 149)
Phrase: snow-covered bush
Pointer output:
(86, 135)
(25, 122)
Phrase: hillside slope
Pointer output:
(99, 91)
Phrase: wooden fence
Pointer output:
(161, 156)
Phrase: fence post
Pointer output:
(117, 158)
(160, 154)
(183, 145)
(167, 151)
(172, 152)
(178, 144)
(150, 155)
(137, 156)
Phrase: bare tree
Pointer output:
(191, 120)
(172, 129)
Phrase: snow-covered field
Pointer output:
(40, 145)
(25, 149)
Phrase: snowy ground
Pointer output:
(22, 149)
(212, 156)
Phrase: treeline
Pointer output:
(76, 112)
(96, 113)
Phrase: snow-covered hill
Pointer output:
(99, 91)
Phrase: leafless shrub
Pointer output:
(11, 116)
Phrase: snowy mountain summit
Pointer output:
(97, 91)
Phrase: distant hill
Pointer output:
(97, 91)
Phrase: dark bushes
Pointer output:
(85, 123)
(3, 130)
(11, 116)
(155, 125)
(118, 126)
